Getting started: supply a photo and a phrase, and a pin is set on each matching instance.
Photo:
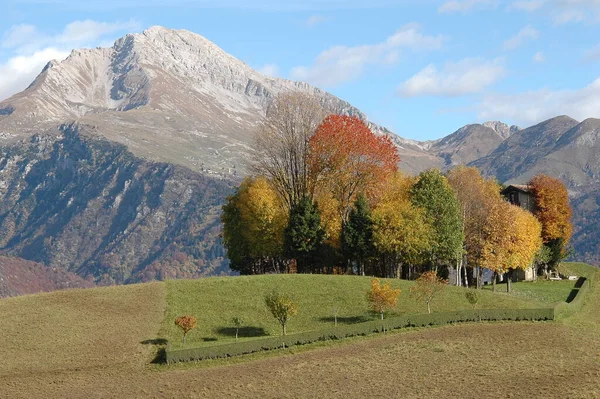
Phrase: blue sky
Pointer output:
(421, 68)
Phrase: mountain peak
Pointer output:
(501, 128)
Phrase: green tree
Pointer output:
(304, 235)
(237, 323)
(281, 307)
(433, 193)
(253, 223)
(357, 234)
(237, 243)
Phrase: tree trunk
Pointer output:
(428, 308)
(184, 334)
(236, 333)
(284, 331)
(466, 276)
(494, 277)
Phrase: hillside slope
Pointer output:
(99, 343)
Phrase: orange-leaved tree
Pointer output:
(427, 287)
(346, 158)
(382, 296)
(186, 323)
(553, 210)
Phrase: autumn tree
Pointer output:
(346, 158)
(513, 240)
(254, 220)
(433, 193)
(427, 287)
(281, 307)
(186, 323)
(281, 144)
(476, 197)
(382, 297)
(553, 210)
(401, 232)
(304, 234)
(357, 234)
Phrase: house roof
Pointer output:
(521, 187)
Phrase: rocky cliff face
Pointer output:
(90, 207)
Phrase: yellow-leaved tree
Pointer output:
(513, 237)
(477, 197)
(427, 287)
(382, 296)
(401, 233)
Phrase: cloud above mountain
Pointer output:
(468, 76)
(341, 64)
(31, 48)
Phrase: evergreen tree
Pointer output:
(433, 194)
(357, 234)
(304, 235)
(236, 243)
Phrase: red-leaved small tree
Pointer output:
(186, 323)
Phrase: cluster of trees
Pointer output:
(327, 197)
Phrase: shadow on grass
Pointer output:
(575, 289)
(247, 331)
(210, 339)
(161, 355)
(346, 319)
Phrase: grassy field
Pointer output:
(215, 301)
(90, 344)
(548, 291)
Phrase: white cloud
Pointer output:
(534, 106)
(539, 57)
(314, 20)
(31, 49)
(562, 11)
(269, 70)
(25, 39)
(517, 40)
(527, 5)
(592, 54)
(19, 35)
(569, 15)
(18, 72)
(340, 64)
(464, 5)
(468, 76)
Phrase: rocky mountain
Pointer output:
(471, 142)
(114, 162)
